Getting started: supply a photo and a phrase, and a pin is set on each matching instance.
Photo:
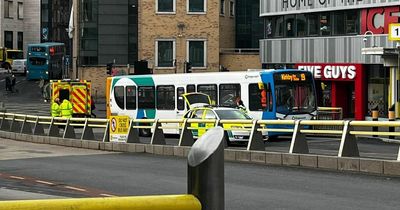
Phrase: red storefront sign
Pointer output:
(324, 71)
(341, 76)
(369, 17)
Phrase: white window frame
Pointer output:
(222, 6)
(196, 13)
(232, 8)
(20, 11)
(166, 13)
(205, 52)
(173, 53)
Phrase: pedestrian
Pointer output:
(92, 107)
(8, 83)
(13, 82)
(55, 108)
(240, 104)
(66, 109)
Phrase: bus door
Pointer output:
(180, 102)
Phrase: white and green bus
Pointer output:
(159, 96)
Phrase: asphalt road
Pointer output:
(86, 173)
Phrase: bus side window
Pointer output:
(130, 97)
(119, 96)
(190, 89)
(228, 94)
(166, 97)
(146, 97)
(254, 98)
(180, 102)
(210, 90)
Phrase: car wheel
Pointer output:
(226, 137)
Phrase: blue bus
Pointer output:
(45, 61)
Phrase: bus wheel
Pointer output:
(145, 132)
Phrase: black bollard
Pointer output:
(392, 117)
(375, 116)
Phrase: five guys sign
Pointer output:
(372, 15)
(324, 71)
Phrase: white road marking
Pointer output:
(75, 188)
(44, 182)
(107, 195)
(17, 177)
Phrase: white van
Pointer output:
(19, 66)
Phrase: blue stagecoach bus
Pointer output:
(45, 61)
(288, 95)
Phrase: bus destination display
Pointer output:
(293, 77)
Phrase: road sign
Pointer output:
(119, 128)
(394, 32)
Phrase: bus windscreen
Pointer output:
(15, 55)
(37, 61)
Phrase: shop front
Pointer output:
(340, 85)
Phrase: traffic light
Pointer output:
(188, 67)
(109, 68)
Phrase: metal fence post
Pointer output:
(299, 140)
(186, 137)
(256, 140)
(158, 134)
(348, 143)
(106, 136)
(206, 170)
(87, 133)
(26, 127)
(54, 129)
(69, 131)
(38, 128)
(133, 134)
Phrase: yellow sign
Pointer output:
(119, 128)
(394, 32)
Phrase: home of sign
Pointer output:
(309, 3)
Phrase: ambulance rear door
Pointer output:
(80, 99)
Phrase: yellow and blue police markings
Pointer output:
(119, 128)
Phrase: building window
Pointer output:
(289, 26)
(325, 24)
(313, 24)
(352, 23)
(8, 39)
(301, 25)
(232, 8)
(338, 23)
(165, 51)
(20, 39)
(196, 6)
(8, 8)
(197, 53)
(222, 8)
(20, 10)
(165, 6)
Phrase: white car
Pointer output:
(19, 66)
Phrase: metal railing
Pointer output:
(345, 131)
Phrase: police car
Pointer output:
(201, 108)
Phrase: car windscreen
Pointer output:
(15, 55)
(232, 115)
